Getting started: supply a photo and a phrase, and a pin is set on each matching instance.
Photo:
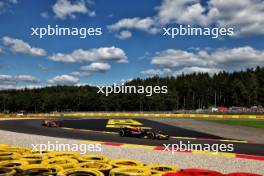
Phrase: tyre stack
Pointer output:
(20, 161)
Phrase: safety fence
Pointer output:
(20, 161)
(130, 115)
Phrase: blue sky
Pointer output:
(131, 44)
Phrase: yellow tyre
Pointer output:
(33, 158)
(98, 158)
(39, 152)
(81, 171)
(64, 154)
(7, 172)
(63, 162)
(4, 146)
(9, 156)
(130, 171)
(16, 149)
(158, 169)
(103, 167)
(125, 163)
(13, 164)
(40, 169)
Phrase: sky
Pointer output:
(131, 43)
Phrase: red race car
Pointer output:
(50, 123)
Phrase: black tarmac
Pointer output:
(33, 126)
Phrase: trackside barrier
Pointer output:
(131, 115)
(20, 161)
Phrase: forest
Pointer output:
(191, 91)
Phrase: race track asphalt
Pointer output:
(33, 126)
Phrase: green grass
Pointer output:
(242, 122)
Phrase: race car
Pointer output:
(50, 123)
(142, 132)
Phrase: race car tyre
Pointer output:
(130, 171)
(97, 158)
(80, 171)
(156, 169)
(103, 167)
(40, 169)
(122, 133)
(151, 135)
(125, 163)
(7, 172)
(63, 162)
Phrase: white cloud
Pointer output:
(66, 8)
(5, 5)
(123, 81)
(13, 1)
(245, 16)
(92, 55)
(189, 70)
(63, 80)
(143, 24)
(19, 46)
(125, 34)
(185, 70)
(26, 78)
(44, 15)
(80, 73)
(96, 67)
(159, 72)
(173, 58)
(89, 69)
(181, 11)
(11, 81)
(222, 58)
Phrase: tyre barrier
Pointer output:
(40, 169)
(13, 164)
(64, 154)
(159, 169)
(7, 172)
(83, 172)
(64, 162)
(9, 156)
(33, 158)
(103, 167)
(20, 161)
(130, 171)
(126, 163)
(98, 158)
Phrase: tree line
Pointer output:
(190, 91)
